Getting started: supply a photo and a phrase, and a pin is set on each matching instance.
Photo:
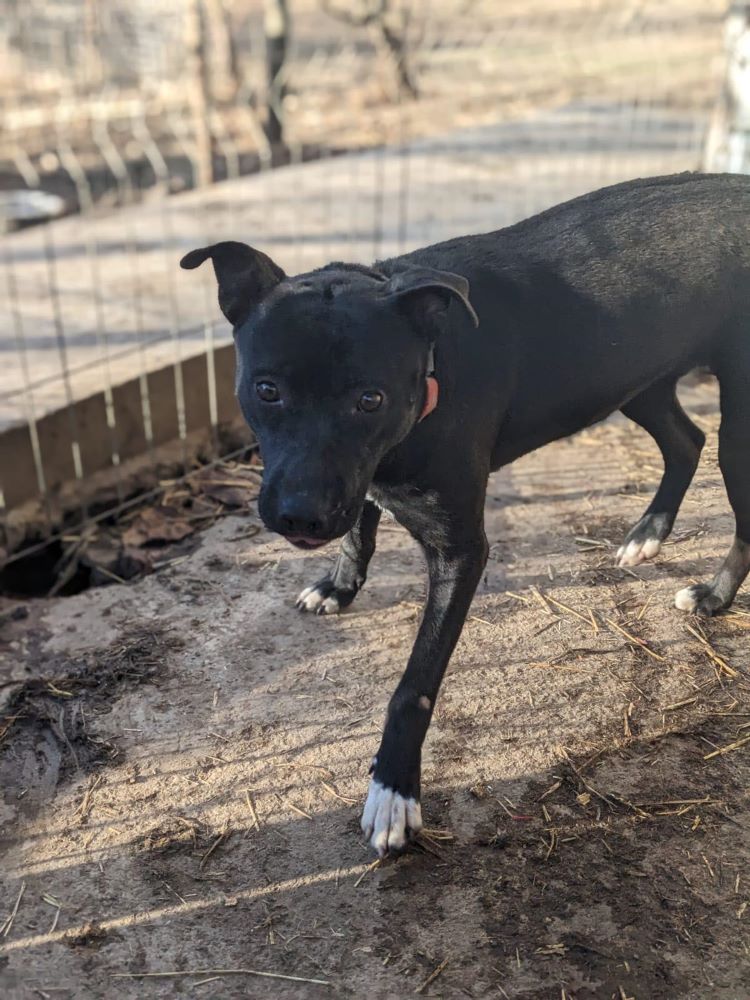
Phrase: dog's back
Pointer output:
(585, 305)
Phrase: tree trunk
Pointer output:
(395, 44)
(276, 23)
(200, 97)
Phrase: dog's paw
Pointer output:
(319, 600)
(699, 599)
(636, 552)
(325, 598)
(643, 541)
(389, 819)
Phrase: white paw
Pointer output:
(311, 599)
(637, 552)
(686, 600)
(388, 818)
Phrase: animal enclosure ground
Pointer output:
(183, 762)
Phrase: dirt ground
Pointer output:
(184, 760)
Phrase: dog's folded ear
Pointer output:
(245, 276)
(428, 292)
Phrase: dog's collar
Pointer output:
(431, 387)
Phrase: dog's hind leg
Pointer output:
(658, 411)
(339, 588)
(734, 459)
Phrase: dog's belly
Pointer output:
(524, 432)
(556, 396)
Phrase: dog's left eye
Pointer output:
(268, 392)
(370, 401)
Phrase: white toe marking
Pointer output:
(371, 807)
(387, 816)
(637, 552)
(311, 599)
(413, 815)
(425, 703)
(651, 547)
(397, 825)
(686, 600)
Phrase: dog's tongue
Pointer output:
(431, 397)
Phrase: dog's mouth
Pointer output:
(303, 542)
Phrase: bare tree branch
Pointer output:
(377, 15)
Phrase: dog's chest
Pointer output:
(419, 511)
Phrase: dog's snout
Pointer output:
(305, 522)
(300, 522)
(306, 506)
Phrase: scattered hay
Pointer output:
(217, 973)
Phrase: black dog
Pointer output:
(596, 305)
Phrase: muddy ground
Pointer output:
(184, 759)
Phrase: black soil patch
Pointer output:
(60, 709)
(92, 936)
(175, 834)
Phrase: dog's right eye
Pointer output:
(268, 392)
(370, 401)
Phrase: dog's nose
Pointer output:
(301, 522)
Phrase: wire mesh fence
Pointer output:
(313, 129)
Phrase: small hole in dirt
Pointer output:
(36, 574)
(130, 536)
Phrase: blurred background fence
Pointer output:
(314, 129)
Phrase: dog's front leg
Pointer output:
(392, 810)
(338, 588)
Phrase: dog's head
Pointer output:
(331, 370)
